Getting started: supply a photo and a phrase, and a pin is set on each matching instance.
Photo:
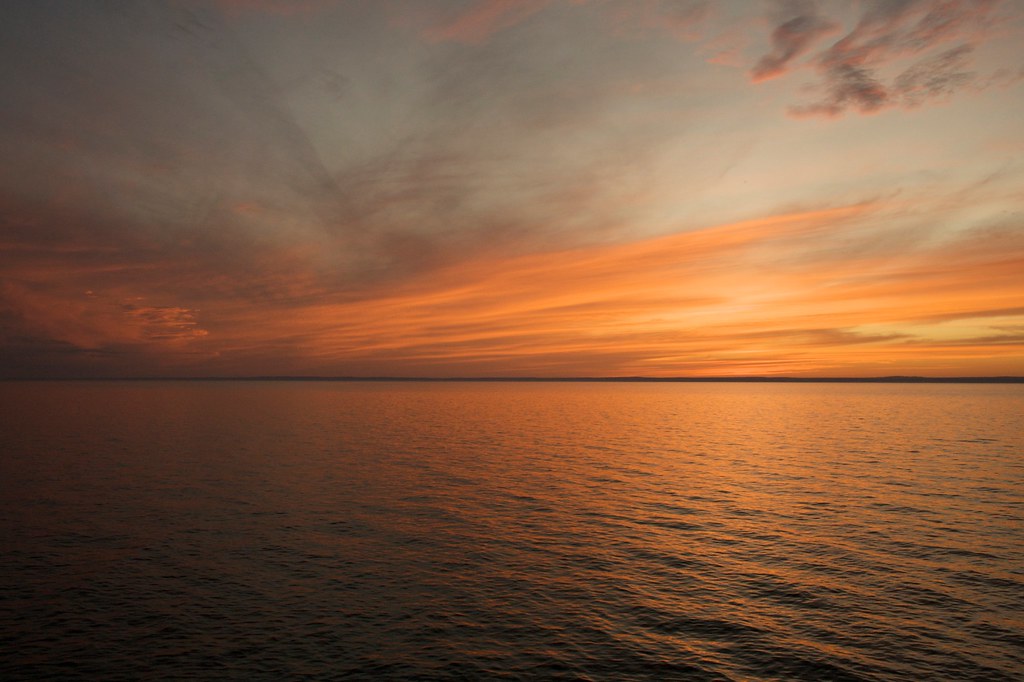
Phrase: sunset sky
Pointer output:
(512, 188)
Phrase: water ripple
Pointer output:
(421, 531)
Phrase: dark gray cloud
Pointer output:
(938, 76)
(855, 70)
(975, 314)
(848, 87)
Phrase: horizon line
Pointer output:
(892, 379)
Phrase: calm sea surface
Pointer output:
(170, 530)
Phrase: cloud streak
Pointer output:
(541, 188)
(800, 29)
(673, 300)
(666, 306)
(484, 18)
(726, 300)
(865, 70)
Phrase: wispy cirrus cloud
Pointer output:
(483, 18)
(279, 8)
(678, 305)
(680, 19)
(800, 26)
(479, 22)
(196, 190)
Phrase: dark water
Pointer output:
(534, 531)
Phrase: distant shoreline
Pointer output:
(637, 379)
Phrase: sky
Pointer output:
(510, 188)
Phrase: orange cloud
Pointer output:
(483, 19)
(790, 40)
(807, 293)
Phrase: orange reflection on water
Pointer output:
(741, 530)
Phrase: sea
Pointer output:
(525, 531)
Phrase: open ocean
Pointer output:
(589, 531)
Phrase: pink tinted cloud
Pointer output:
(284, 8)
(485, 18)
(682, 19)
(726, 48)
